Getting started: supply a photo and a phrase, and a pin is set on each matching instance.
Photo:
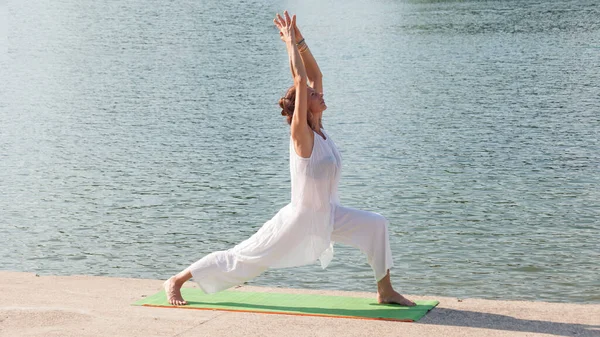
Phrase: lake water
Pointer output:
(138, 136)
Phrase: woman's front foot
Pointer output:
(173, 291)
(394, 298)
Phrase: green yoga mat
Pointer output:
(294, 304)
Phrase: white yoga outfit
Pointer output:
(303, 231)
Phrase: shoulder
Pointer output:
(303, 142)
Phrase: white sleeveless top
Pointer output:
(300, 233)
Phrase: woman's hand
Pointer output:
(297, 31)
(287, 27)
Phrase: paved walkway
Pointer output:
(101, 306)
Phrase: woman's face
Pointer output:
(316, 103)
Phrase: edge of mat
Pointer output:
(162, 295)
(288, 313)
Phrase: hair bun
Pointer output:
(287, 104)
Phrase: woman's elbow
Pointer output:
(300, 80)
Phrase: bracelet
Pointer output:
(302, 46)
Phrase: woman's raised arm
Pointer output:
(302, 134)
(315, 77)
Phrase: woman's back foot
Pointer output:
(394, 298)
(173, 291)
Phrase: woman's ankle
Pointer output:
(182, 277)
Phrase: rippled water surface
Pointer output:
(138, 136)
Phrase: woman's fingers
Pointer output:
(285, 24)
(288, 20)
(281, 20)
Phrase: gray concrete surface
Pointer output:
(101, 306)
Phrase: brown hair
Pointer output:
(288, 104)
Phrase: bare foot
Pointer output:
(394, 298)
(173, 290)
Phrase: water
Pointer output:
(138, 136)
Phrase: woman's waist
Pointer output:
(313, 207)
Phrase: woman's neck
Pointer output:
(316, 124)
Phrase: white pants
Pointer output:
(364, 230)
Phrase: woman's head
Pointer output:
(315, 104)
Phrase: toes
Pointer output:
(175, 301)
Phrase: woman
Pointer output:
(304, 230)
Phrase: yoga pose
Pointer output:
(304, 230)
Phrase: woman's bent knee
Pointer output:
(380, 221)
